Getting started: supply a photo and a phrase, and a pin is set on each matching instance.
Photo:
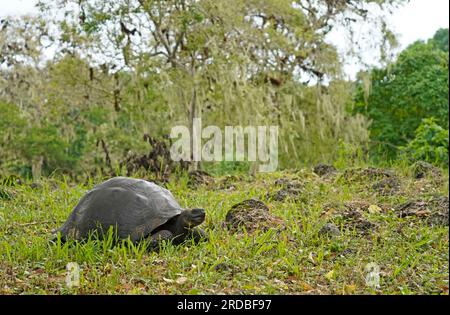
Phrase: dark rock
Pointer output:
(157, 161)
(288, 183)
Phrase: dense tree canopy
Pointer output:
(105, 73)
(440, 39)
(414, 87)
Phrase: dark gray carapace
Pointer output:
(136, 209)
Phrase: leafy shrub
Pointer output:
(398, 97)
(45, 142)
(430, 143)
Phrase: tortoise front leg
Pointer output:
(197, 235)
(159, 237)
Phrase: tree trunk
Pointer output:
(36, 167)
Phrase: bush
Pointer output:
(430, 143)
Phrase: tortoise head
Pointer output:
(193, 217)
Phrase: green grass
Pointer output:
(412, 256)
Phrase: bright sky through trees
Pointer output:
(419, 19)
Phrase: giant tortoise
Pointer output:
(136, 209)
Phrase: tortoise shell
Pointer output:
(134, 207)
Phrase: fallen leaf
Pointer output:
(311, 257)
(181, 280)
(306, 287)
(423, 213)
(168, 280)
(374, 209)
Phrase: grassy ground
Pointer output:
(303, 252)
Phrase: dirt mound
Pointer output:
(434, 211)
(253, 215)
(289, 183)
(286, 193)
(324, 169)
(198, 177)
(157, 160)
(228, 182)
(291, 189)
(422, 169)
(364, 174)
(383, 181)
(352, 215)
(387, 186)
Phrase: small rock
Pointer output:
(350, 214)
(228, 182)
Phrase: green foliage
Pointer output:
(78, 145)
(122, 69)
(23, 143)
(44, 141)
(440, 39)
(10, 119)
(226, 168)
(349, 155)
(12, 123)
(430, 143)
(413, 88)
